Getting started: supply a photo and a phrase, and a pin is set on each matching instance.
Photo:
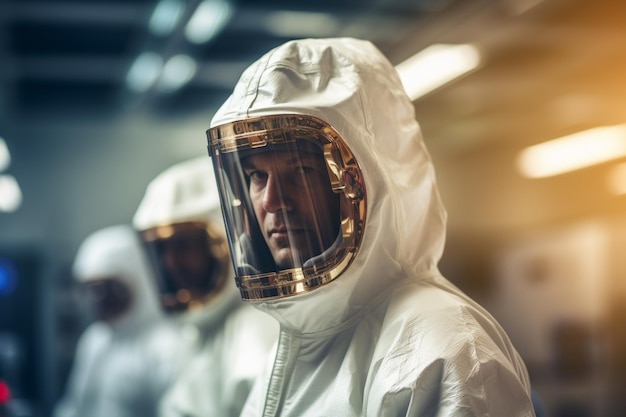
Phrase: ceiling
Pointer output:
(549, 68)
(64, 55)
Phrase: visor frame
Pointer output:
(346, 179)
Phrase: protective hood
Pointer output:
(185, 192)
(183, 196)
(116, 251)
(361, 96)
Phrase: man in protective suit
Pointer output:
(125, 360)
(227, 342)
(336, 227)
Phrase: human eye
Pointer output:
(256, 176)
(303, 169)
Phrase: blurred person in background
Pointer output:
(336, 228)
(180, 222)
(126, 359)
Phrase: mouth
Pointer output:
(283, 232)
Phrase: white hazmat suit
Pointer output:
(369, 327)
(121, 367)
(230, 341)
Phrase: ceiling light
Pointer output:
(177, 71)
(10, 194)
(144, 72)
(208, 20)
(435, 66)
(165, 17)
(5, 156)
(573, 152)
(299, 24)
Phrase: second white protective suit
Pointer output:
(227, 341)
(336, 228)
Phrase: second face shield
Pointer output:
(293, 201)
(190, 260)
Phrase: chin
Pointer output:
(284, 259)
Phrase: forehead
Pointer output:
(282, 158)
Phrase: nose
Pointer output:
(169, 257)
(277, 194)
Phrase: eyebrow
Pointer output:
(248, 162)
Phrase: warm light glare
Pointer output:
(208, 20)
(165, 17)
(435, 66)
(299, 24)
(10, 194)
(5, 156)
(573, 152)
(144, 72)
(178, 71)
(617, 179)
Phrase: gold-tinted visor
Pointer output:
(190, 261)
(293, 201)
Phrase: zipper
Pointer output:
(286, 355)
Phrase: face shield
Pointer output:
(111, 298)
(191, 262)
(293, 201)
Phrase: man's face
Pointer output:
(112, 298)
(297, 211)
(186, 257)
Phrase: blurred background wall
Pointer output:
(97, 97)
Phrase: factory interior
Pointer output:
(98, 97)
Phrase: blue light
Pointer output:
(7, 277)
